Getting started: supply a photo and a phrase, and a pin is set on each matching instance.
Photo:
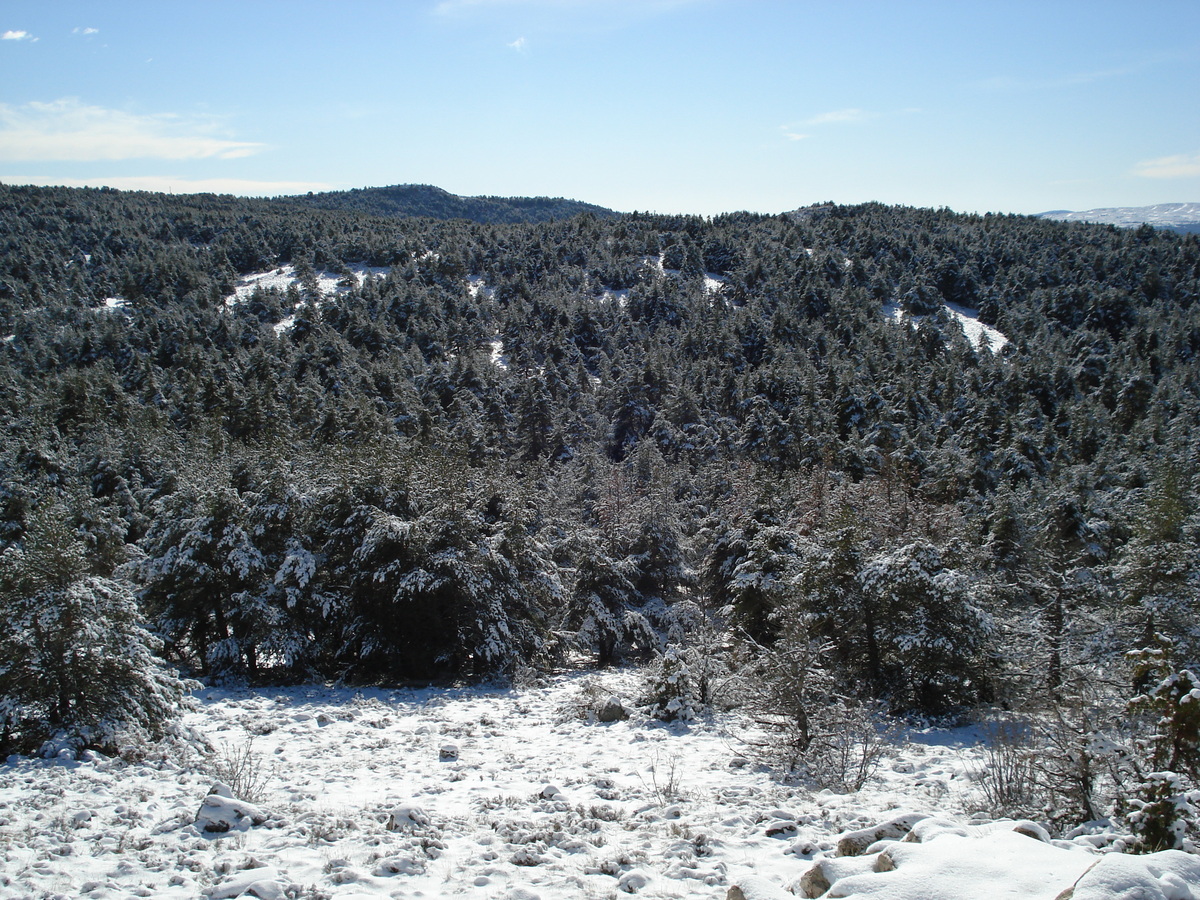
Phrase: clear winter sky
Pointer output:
(700, 106)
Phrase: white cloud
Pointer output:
(171, 184)
(1181, 166)
(792, 135)
(67, 129)
(839, 117)
(518, 44)
(85, 31)
(17, 36)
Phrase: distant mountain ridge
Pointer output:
(1183, 218)
(413, 200)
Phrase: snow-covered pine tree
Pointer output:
(77, 665)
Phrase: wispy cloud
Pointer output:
(518, 44)
(798, 131)
(1024, 83)
(67, 129)
(1182, 166)
(839, 117)
(171, 184)
(17, 36)
(85, 31)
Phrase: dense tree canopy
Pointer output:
(389, 448)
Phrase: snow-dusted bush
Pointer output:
(1164, 814)
(931, 634)
(670, 692)
(1166, 804)
(76, 664)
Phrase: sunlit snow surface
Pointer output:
(285, 276)
(981, 336)
(483, 793)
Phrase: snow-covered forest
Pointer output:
(806, 489)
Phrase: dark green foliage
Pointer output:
(76, 662)
(411, 200)
(440, 448)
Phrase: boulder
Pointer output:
(755, 887)
(612, 710)
(853, 843)
(220, 812)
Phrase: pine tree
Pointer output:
(77, 664)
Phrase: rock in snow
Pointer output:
(752, 887)
(219, 814)
(613, 710)
(852, 843)
(406, 818)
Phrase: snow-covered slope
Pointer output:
(1177, 216)
(507, 795)
(980, 335)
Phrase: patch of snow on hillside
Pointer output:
(977, 333)
(714, 283)
(476, 286)
(499, 360)
(329, 283)
(981, 336)
(619, 295)
(281, 279)
(114, 303)
(284, 325)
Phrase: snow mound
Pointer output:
(263, 882)
(219, 814)
(1004, 864)
(1167, 875)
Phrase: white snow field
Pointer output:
(508, 794)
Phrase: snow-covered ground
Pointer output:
(1160, 215)
(285, 276)
(506, 794)
(980, 335)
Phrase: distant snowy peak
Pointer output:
(1183, 217)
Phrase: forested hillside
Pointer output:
(409, 200)
(415, 449)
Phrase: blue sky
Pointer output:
(700, 106)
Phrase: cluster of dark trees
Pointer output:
(417, 200)
(507, 443)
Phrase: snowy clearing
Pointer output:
(980, 335)
(285, 276)
(477, 285)
(499, 793)
(497, 355)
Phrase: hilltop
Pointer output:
(411, 200)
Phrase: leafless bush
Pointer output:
(1006, 774)
(848, 744)
(665, 778)
(240, 769)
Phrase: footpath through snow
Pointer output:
(511, 795)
